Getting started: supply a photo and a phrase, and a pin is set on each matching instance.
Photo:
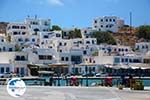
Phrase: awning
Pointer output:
(87, 64)
(121, 66)
(38, 66)
(45, 72)
(58, 65)
(140, 65)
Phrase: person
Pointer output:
(74, 81)
(51, 81)
(131, 82)
(123, 80)
(108, 81)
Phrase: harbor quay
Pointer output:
(79, 81)
(77, 93)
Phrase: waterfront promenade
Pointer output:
(77, 93)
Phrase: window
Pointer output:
(62, 58)
(122, 60)
(95, 26)
(22, 58)
(17, 58)
(146, 46)
(22, 71)
(130, 60)
(2, 69)
(60, 44)
(101, 20)
(67, 58)
(110, 20)
(65, 44)
(58, 35)
(85, 31)
(20, 39)
(114, 20)
(94, 61)
(41, 57)
(15, 33)
(76, 59)
(26, 40)
(2, 40)
(95, 21)
(93, 42)
(101, 26)
(45, 36)
(15, 27)
(10, 49)
(35, 23)
(136, 61)
(36, 30)
(126, 60)
(46, 23)
(106, 26)
(87, 42)
(106, 20)
(84, 52)
(49, 57)
(33, 40)
(45, 57)
(64, 33)
(126, 50)
(23, 27)
(23, 33)
(42, 42)
(93, 69)
(4, 48)
(17, 70)
(7, 69)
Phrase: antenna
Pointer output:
(28, 16)
(35, 16)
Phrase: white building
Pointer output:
(107, 23)
(87, 32)
(36, 24)
(15, 62)
(143, 46)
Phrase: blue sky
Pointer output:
(79, 13)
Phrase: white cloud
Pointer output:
(56, 2)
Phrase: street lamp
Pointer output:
(58, 76)
(86, 70)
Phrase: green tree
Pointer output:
(76, 33)
(143, 32)
(104, 37)
(55, 28)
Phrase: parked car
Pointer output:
(1, 75)
(98, 74)
(6, 75)
(101, 74)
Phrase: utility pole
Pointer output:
(130, 22)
